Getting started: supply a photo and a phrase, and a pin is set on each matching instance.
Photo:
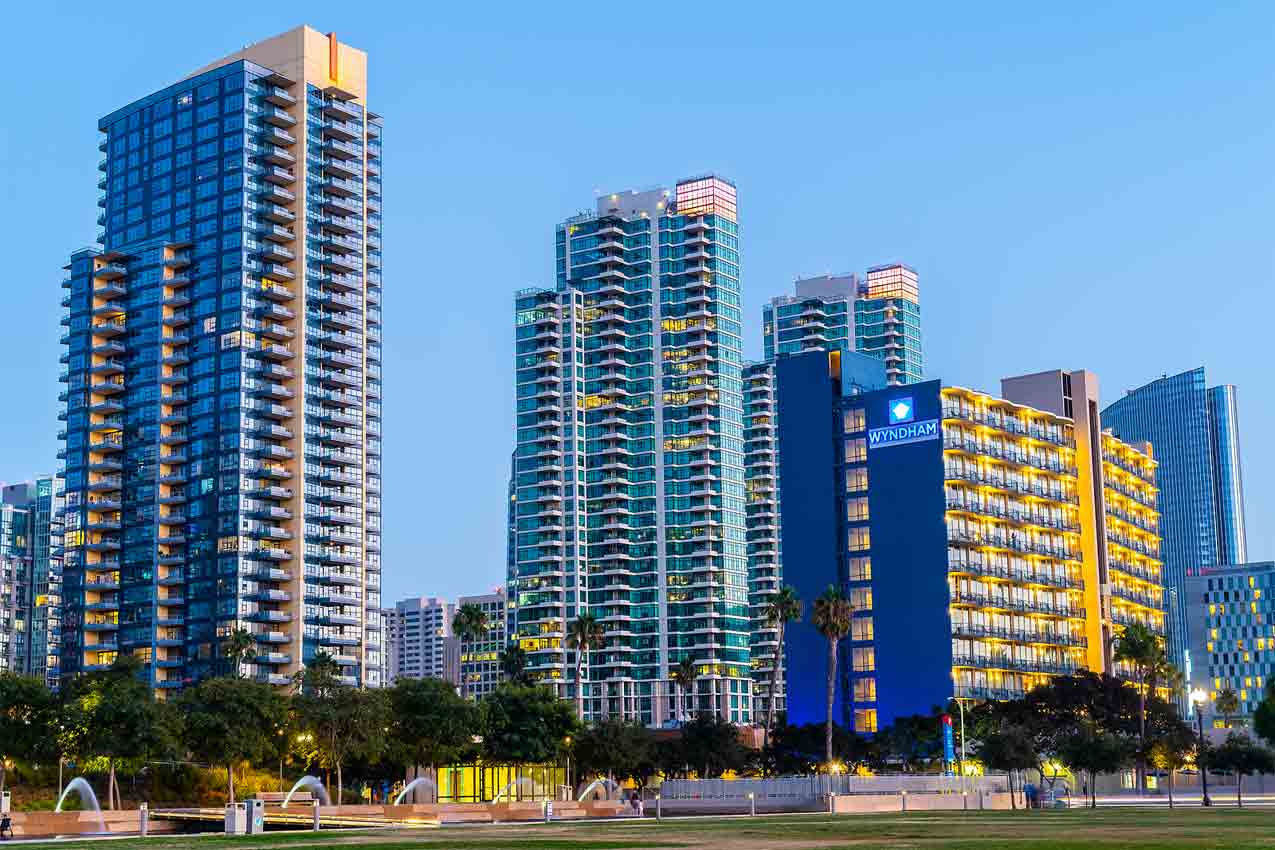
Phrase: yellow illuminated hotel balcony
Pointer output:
(1135, 581)
(1014, 553)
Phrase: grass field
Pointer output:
(1198, 829)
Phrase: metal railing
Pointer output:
(806, 787)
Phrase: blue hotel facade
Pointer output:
(963, 531)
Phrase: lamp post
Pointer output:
(1198, 698)
(960, 704)
(571, 791)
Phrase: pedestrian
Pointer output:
(636, 804)
(6, 825)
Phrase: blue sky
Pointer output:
(1077, 189)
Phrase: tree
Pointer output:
(782, 608)
(345, 722)
(513, 663)
(712, 743)
(685, 674)
(525, 725)
(1171, 750)
(800, 749)
(832, 618)
(26, 719)
(1009, 748)
(469, 623)
(1241, 756)
(238, 648)
(1085, 749)
(615, 749)
(912, 742)
(583, 634)
(1143, 650)
(430, 724)
(1264, 715)
(112, 714)
(228, 721)
(1227, 704)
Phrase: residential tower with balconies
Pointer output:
(222, 438)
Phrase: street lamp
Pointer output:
(1198, 699)
(567, 744)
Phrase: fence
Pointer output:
(805, 787)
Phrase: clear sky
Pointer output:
(1077, 189)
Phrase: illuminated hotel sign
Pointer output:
(902, 429)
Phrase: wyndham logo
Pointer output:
(897, 435)
(901, 410)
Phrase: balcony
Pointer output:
(111, 271)
(276, 233)
(277, 175)
(333, 147)
(110, 405)
(273, 194)
(109, 328)
(278, 96)
(274, 135)
(342, 187)
(346, 131)
(276, 213)
(277, 117)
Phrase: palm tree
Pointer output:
(469, 623)
(1227, 704)
(583, 634)
(685, 674)
(831, 617)
(783, 607)
(238, 648)
(513, 663)
(1143, 650)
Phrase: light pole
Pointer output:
(960, 704)
(1198, 698)
(571, 791)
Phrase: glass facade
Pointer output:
(1195, 434)
(629, 472)
(887, 322)
(222, 444)
(1231, 633)
(479, 665)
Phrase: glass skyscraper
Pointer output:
(222, 442)
(887, 322)
(629, 471)
(1195, 432)
(30, 578)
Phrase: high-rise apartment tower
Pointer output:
(629, 478)
(223, 407)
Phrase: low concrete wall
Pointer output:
(48, 824)
(858, 804)
(480, 812)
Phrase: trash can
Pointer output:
(236, 819)
(5, 800)
(256, 816)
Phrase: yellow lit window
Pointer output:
(861, 569)
(856, 451)
(859, 539)
(854, 420)
(865, 720)
(856, 480)
(865, 690)
(861, 629)
(856, 510)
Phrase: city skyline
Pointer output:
(1060, 261)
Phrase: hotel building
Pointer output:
(968, 532)
(223, 401)
(1231, 633)
(1195, 429)
(629, 468)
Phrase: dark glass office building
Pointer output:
(222, 439)
(1195, 431)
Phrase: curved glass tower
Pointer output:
(1194, 430)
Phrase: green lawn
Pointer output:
(1077, 829)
